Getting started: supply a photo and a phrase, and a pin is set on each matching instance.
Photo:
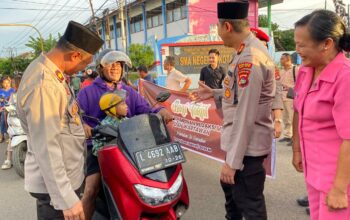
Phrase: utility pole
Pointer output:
(325, 4)
(107, 26)
(11, 56)
(122, 4)
(93, 17)
(348, 15)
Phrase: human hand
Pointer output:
(74, 213)
(166, 115)
(202, 93)
(297, 161)
(278, 129)
(87, 130)
(227, 174)
(337, 199)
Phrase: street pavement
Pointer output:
(206, 196)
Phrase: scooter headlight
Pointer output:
(155, 196)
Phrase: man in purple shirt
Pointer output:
(109, 65)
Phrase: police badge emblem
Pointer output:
(226, 81)
(59, 75)
(243, 78)
(243, 73)
(73, 110)
(227, 93)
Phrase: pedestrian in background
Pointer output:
(5, 93)
(75, 84)
(90, 77)
(289, 73)
(213, 74)
(175, 77)
(321, 137)
(49, 114)
(247, 96)
(143, 74)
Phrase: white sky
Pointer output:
(52, 16)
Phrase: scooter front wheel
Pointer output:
(18, 157)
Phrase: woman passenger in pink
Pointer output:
(321, 144)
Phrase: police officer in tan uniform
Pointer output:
(49, 115)
(246, 99)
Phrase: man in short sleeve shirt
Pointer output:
(175, 78)
(213, 74)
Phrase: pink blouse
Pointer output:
(324, 119)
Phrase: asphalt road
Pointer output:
(206, 196)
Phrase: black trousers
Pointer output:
(44, 209)
(245, 198)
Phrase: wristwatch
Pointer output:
(278, 120)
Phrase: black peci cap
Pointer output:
(233, 10)
(81, 37)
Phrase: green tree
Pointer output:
(286, 39)
(8, 66)
(35, 44)
(141, 55)
(263, 23)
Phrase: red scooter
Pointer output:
(141, 170)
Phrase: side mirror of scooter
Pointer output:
(83, 115)
(163, 96)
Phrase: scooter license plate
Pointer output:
(160, 157)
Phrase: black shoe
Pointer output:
(304, 202)
(307, 211)
(285, 139)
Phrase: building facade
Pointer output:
(161, 22)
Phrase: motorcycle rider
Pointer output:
(109, 65)
(12, 101)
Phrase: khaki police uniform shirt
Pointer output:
(287, 80)
(248, 93)
(49, 115)
(278, 100)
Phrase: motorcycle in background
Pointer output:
(18, 139)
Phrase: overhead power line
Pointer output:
(41, 3)
(35, 23)
(41, 9)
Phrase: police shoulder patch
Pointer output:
(243, 77)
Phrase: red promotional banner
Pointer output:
(197, 126)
